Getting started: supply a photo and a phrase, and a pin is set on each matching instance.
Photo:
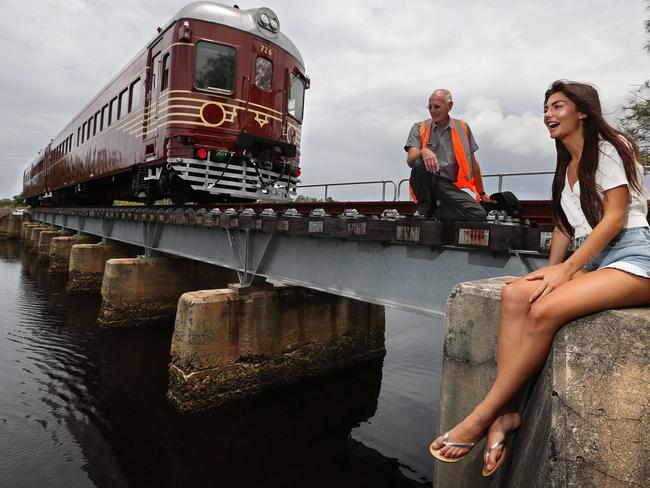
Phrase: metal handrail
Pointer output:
(383, 184)
(490, 175)
(397, 188)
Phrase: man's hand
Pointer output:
(485, 198)
(430, 160)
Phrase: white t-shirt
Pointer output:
(610, 174)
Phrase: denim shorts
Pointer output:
(628, 251)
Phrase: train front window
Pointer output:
(215, 67)
(295, 103)
(263, 74)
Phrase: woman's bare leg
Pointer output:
(513, 313)
(588, 293)
(515, 306)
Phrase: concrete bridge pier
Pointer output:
(61, 249)
(26, 226)
(586, 421)
(33, 235)
(45, 243)
(233, 343)
(87, 264)
(145, 290)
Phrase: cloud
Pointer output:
(519, 134)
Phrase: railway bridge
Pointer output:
(332, 267)
(371, 251)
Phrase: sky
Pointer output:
(372, 64)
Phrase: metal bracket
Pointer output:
(107, 227)
(248, 270)
(151, 235)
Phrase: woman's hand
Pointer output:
(551, 277)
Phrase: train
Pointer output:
(210, 110)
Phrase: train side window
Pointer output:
(124, 103)
(104, 122)
(263, 74)
(164, 82)
(295, 102)
(215, 67)
(78, 136)
(90, 123)
(135, 94)
(95, 123)
(112, 116)
(83, 132)
(155, 72)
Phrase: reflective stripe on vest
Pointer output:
(460, 143)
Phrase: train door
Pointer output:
(152, 101)
(264, 99)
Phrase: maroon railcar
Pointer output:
(210, 110)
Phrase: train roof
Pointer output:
(244, 20)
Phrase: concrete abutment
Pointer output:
(10, 224)
(229, 345)
(586, 417)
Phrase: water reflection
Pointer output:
(80, 406)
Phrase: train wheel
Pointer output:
(153, 192)
(178, 191)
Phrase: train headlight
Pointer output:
(267, 20)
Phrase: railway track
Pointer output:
(533, 210)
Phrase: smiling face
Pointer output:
(439, 107)
(561, 117)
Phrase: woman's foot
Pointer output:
(498, 431)
(469, 431)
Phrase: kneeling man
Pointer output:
(440, 153)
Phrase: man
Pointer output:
(440, 153)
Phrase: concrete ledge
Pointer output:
(228, 346)
(138, 291)
(586, 419)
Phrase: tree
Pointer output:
(636, 115)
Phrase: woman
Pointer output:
(599, 203)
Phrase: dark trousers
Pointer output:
(455, 204)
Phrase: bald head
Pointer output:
(444, 94)
(440, 104)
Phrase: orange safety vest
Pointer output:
(460, 143)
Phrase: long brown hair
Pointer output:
(595, 127)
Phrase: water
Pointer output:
(83, 407)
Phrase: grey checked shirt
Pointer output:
(440, 143)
